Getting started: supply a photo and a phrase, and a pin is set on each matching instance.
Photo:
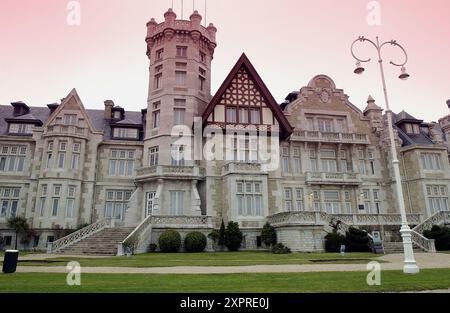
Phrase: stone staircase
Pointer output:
(103, 242)
(397, 247)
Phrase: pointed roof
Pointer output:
(404, 116)
(371, 105)
(285, 127)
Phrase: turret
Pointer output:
(374, 113)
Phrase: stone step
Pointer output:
(104, 242)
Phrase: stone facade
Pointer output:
(63, 165)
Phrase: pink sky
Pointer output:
(288, 41)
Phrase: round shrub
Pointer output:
(195, 242)
(170, 241)
(441, 236)
(279, 248)
(269, 235)
(357, 240)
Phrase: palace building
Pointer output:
(191, 159)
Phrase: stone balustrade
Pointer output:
(65, 130)
(320, 218)
(318, 136)
(241, 167)
(333, 178)
(170, 171)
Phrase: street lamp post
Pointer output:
(410, 265)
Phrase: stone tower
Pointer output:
(180, 53)
(374, 113)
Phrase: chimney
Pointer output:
(109, 104)
(20, 108)
(52, 107)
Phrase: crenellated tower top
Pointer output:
(180, 30)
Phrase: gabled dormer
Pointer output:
(243, 101)
(408, 123)
(22, 121)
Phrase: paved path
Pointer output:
(424, 260)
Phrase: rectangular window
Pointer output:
(151, 198)
(9, 201)
(243, 115)
(249, 198)
(158, 81)
(201, 83)
(431, 161)
(75, 161)
(297, 166)
(231, 115)
(202, 57)
(153, 156)
(325, 125)
(55, 207)
(288, 199)
(70, 119)
(121, 163)
(181, 51)
(178, 155)
(21, 129)
(12, 158)
(362, 167)
(176, 203)
(116, 203)
(129, 133)
(61, 159)
(255, 116)
(178, 116)
(180, 78)
(70, 204)
(437, 198)
(156, 118)
(285, 163)
(159, 54)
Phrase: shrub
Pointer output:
(357, 240)
(333, 242)
(20, 226)
(279, 248)
(233, 236)
(222, 238)
(195, 242)
(441, 236)
(269, 235)
(153, 247)
(170, 241)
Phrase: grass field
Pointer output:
(212, 259)
(227, 283)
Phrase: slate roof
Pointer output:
(410, 139)
(43, 113)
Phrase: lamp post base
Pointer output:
(410, 265)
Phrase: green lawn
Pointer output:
(212, 259)
(227, 283)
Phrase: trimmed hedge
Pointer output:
(170, 241)
(441, 236)
(195, 242)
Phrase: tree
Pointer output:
(222, 239)
(269, 235)
(233, 236)
(19, 225)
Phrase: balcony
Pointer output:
(317, 136)
(322, 178)
(170, 171)
(241, 168)
(66, 130)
